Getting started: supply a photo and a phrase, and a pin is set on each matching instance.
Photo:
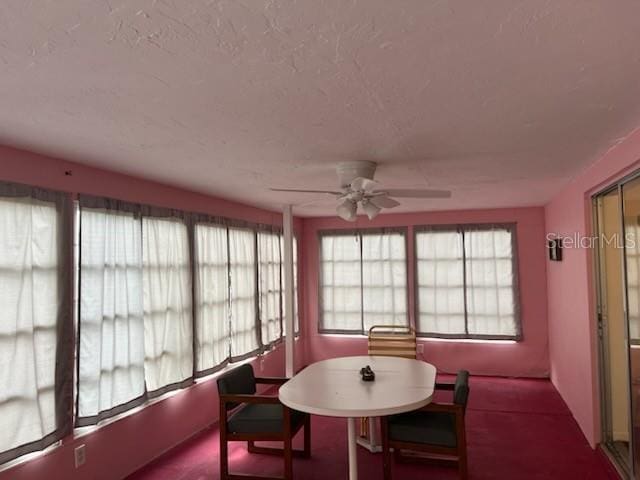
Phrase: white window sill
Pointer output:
(343, 335)
(466, 340)
(428, 339)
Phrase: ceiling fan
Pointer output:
(358, 188)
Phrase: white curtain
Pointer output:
(296, 316)
(491, 303)
(167, 303)
(341, 292)
(111, 350)
(384, 279)
(270, 286)
(242, 273)
(363, 281)
(440, 272)
(30, 298)
(212, 296)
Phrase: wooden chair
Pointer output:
(392, 341)
(436, 432)
(388, 341)
(248, 417)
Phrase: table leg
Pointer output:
(353, 446)
(373, 434)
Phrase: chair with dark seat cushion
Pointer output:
(247, 416)
(435, 432)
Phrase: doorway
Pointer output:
(617, 227)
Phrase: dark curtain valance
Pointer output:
(90, 201)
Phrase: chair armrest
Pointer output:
(445, 386)
(230, 398)
(443, 407)
(271, 380)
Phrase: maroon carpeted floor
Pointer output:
(516, 429)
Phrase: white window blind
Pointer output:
(467, 282)
(111, 350)
(363, 281)
(270, 286)
(242, 273)
(212, 296)
(167, 303)
(30, 296)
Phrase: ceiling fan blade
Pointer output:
(304, 191)
(317, 203)
(366, 184)
(416, 193)
(383, 201)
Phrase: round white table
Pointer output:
(334, 388)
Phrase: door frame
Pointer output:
(625, 466)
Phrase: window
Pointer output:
(296, 316)
(135, 323)
(35, 338)
(242, 274)
(270, 286)
(111, 350)
(212, 297)
(166, 279)
(239, 287)
(139, 334)
(632, 261)
(363, 280)
(467, 282)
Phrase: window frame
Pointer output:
(512, 228)
(404, 231)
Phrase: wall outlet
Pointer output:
(80, 455)
(420, 348)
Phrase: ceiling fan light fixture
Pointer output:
(364, 184)
(357, 188)
(370, 209)
(347, 210)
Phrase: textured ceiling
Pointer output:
(501, 101)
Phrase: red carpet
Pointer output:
(516, 429)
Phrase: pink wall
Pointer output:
(529, 357)
(572, 339)
(121, 447)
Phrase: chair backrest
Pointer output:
(461, 389)
(239, 381)
(392, 341)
